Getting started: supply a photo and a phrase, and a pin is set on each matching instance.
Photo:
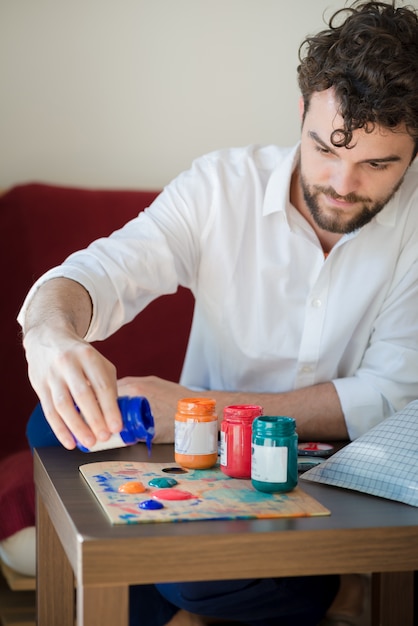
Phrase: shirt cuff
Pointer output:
(57, 272)
(363, 407)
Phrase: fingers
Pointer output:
(99, 399)
(79, 398)
(63, 432)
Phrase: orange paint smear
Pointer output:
(132, 487)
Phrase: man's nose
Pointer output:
(345, 179)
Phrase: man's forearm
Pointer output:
(317, 409)
(62, 304)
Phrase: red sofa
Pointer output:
(41, 225)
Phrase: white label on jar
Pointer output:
(114, 441)
(269, 463)
(194, 437)
(224, 449)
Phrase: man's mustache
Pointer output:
(350, 197)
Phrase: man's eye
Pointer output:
(378, 166)
(322, 150)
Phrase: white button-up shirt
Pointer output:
(271, 313)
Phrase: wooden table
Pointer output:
(79, 549)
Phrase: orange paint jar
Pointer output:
(196, 433)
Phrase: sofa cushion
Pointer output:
(17, 493)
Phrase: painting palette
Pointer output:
(211, 495)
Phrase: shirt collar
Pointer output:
(389, 215)
(276, 197)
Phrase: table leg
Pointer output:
(55, 580)
(102, 606)
(393, 599)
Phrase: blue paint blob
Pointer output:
(150, 505)
(162, 483)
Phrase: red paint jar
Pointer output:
(236, 435)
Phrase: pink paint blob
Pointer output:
(132, 486)
(172, 494)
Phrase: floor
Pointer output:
(17, 608)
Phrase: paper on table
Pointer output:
(383, 462)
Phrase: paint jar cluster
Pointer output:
(252, 445)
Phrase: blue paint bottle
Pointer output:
(138, 425)
(274, 454)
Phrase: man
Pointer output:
(304, 267)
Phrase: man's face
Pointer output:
(343, 188)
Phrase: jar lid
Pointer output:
(274, 425)
(196, 406)
(242, 411)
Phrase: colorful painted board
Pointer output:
(214, 495)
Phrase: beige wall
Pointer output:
(125, 93)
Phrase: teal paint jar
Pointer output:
(274, 454)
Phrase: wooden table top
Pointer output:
(362, 534)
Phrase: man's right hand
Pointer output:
(65, 370)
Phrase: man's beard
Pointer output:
(335, 221)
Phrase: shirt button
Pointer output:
(306, 369)
(316, 303)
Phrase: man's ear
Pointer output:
(301, 107)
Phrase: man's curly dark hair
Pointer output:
(369, 55)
